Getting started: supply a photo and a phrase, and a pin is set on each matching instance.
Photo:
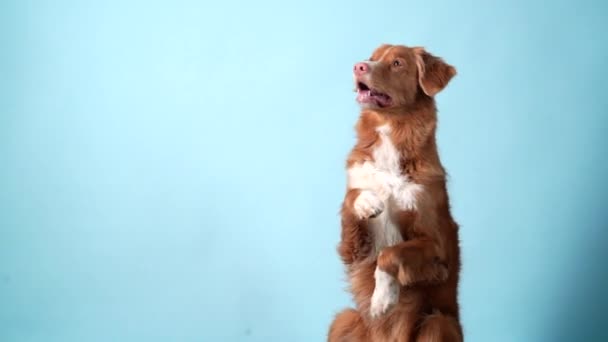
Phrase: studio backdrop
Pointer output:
(173, 170)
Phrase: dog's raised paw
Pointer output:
(367, 205)
(386, 294)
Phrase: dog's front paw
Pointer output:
(367, 205)
(386, 294)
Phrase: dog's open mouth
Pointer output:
(367, 95)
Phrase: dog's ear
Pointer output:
(433, 73)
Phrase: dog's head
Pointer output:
(396, 75)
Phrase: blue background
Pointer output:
(172, 171)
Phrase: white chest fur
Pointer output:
(384, 177)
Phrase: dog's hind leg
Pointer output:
(348, 326)
(439, 328)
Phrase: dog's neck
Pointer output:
(412, 131)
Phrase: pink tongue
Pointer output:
(365, 96)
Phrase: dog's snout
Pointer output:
(361, 68)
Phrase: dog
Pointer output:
(399, 242)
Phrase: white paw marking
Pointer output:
(367, 205)
(367, 176)
(386, 293)
(406, 195)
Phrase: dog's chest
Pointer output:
(387, 162)
(383, 176)
(386, 156)
(400, 191)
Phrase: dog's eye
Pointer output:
(397, 63)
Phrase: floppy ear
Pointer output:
(433, 73)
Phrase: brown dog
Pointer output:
(399, 241)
